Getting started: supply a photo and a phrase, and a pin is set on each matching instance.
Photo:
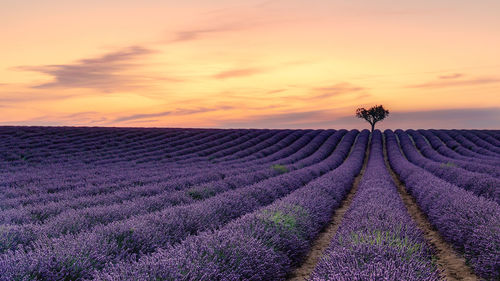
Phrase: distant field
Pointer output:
(213, 204)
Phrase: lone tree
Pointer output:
(372, 115)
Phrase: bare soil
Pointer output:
(449, 262)
(325, 237)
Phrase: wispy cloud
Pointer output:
(201, 110)
(295, 119)
(108, 73)
(85, 118)
(142, 116)
(77, 118)
(29, 95)
(336, 90)
(232, 19)
(321, 93)
(275, 91)
(224, 20)
(451, 82)
(80, 114)
(179, 111)
(451, 76)
(147, 121)
(232, 73)
(252, 70)
(197, 33)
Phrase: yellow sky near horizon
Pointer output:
(286, 64)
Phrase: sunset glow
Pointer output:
(249, 64)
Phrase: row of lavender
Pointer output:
(377, 238)
(75, 217)
(147, 168)
(35, 143)
(32, 184)
(32, 212)
(32, 144)
(474, 143)
(98, 144)
(25, 182)
(16, 188)
(122, 144)
(189, 147)
(217, 144)
(433, 148)
(481, 184)
(264, 245)
(75, 256)
(465, 148)
(469, 222)
(291, 151)
(74, 220)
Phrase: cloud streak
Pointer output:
(295, 119)
(450, 81)
(233, 73)
(180, 111)
(451, 76)
(237, 23)
(194, 34)
(107, 73)
(336, 90)
(142, 116)
(233, 19)
(275, 91)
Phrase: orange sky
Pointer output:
(265, 64)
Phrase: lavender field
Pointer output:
(248, 204)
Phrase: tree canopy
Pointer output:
(373, 115)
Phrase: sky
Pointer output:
(250, 64)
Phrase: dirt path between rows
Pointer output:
(325, 237)
(451, 263)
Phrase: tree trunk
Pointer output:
(373, 126)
